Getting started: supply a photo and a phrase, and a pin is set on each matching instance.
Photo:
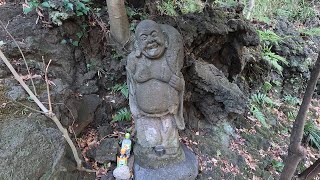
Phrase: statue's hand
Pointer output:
(177, 83)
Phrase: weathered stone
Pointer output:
(108, 176)
(122, 173)
(103, 131)
(59, 86)
(107, 150)
(16, 93)
(75, 175)
(83, 111)
(184, 170)
(29, 150)
(216, 37)
(216, 97)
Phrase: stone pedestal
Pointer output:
(183, 170)
(149, 158)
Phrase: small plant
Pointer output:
(277, 165)
(167, 7)
(123, 88)
(133, 13)
(115, 55)
(122, 115)
(81, 7)
(268, 37)
(311, 32)
(261, 99)
(190, 6)
(224, 3)
(313, 131)
(294, 10)
(276, 83)
(274, 59)
(58, 12)
(57, 17)
(267, 86)
(257, 102)
(291, 100)
(29, 6)
(170, 7)
(256, 112)
(80, 34)
(291, 115)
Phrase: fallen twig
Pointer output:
(47, 83)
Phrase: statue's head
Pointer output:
(150, 40)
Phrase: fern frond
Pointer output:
(269, 35)
(313, 131)
(261, 99)
(274, 59)
(259, 115)
(123, 88)
(122, 115)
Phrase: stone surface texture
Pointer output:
(29, 151)
(32, 149)
(107, 150)
(122, 173)
(185, 170)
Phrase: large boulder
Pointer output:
(216, 37)
(28, 150)
(216, 97)
(217, 49)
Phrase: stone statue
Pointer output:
(156, 87)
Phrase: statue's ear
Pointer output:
(166, 39)
(137, 50)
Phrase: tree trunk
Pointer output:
(310, 172)
(119, 25)
(296, 151)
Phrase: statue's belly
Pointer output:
(155, 96)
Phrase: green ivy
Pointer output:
(58, 13)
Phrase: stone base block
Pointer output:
(148, 158)
(185, 170)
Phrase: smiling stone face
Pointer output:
(150, 38)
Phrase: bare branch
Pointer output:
(47, 83)
(28, 107)
(23, 84)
